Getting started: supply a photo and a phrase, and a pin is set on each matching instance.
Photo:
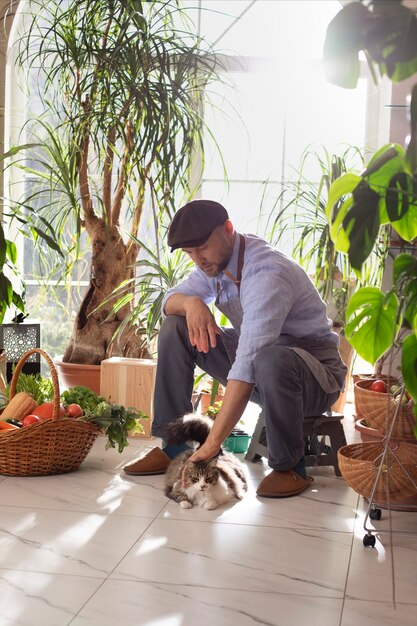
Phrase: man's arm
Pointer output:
(235, 399)
(202, 327)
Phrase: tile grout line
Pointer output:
(115, 566)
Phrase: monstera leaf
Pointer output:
(372, 322)
(387, 35)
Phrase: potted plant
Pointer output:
(238, 440)
(119, 87)
(385, 193)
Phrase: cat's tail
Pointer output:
(192, 427)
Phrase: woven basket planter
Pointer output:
(359, 464)
(378, 409)
(56, 446)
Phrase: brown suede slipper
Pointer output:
(282, 484)
(154, 461)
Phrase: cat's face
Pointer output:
(201, 476)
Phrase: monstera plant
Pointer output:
(117, 123)
(385, 193)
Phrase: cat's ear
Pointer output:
(184, 477)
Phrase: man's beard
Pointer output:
(214, 269)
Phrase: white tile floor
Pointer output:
(99, 548)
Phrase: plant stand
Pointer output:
(374, 512)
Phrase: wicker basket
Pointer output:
(378, 409)
(55, 446)
(389, 380)
(359, 464)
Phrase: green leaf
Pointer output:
(6, 290)
(18, 302)
(385, 163)
(344, 39)
(342, 186)
(52, 243)
(372, 322)
(11, 251)
(401, 202)
(405, 266)
(409, 365)
(362, 225)
(16, 149)
(387, 34)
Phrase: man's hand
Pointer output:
(235, 399)
(202, 327)
(207, 451)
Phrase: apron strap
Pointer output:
(240, 259)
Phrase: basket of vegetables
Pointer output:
(54, 437)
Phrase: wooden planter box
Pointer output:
(130, 382)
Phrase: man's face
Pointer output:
(213, 256)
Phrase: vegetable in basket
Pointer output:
(35, 385)
(116, 421)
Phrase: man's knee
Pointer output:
(276, 363)
(173, 329)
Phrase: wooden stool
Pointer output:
(315, 429)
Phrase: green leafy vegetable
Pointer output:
(40, 388)
(85, 397)
(115, 420)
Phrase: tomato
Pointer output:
(46, 410)
(31, 419)
(74, 410)
(379, 385)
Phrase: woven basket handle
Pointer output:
(54, 376)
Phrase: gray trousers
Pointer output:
(285, 388)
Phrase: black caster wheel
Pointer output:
(375, 514)
(369, 541)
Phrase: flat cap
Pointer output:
(194, 222)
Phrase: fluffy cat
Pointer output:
(210, 484)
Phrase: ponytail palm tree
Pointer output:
(119, 85)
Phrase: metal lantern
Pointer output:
(16, 340)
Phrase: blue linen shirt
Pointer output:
(279, 303)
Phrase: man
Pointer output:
(280, 353)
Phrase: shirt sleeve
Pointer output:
(267, 296)
(196, 284)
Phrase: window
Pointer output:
(273, 103)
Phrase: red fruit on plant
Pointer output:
(31, 419)
(74, 410)
(379, 385)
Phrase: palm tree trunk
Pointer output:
(95, 324)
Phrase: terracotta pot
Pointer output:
(346, 352)
(75, 374)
